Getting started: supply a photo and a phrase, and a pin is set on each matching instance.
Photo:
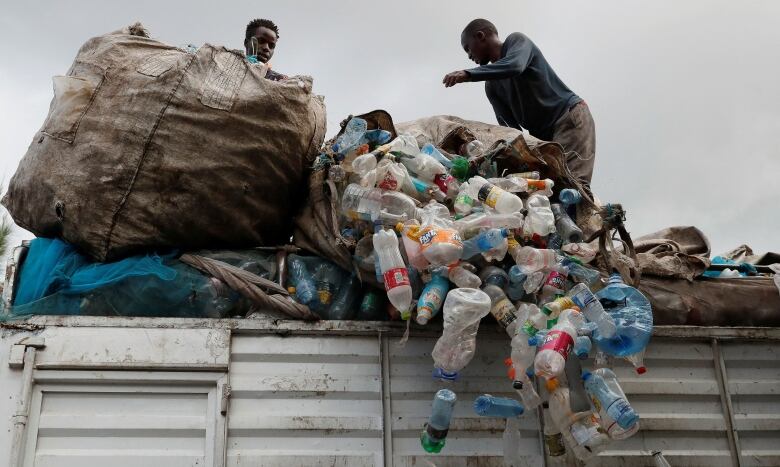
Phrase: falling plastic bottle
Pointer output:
(432, 297)
(578, 430)
(558, 343)
(434, 433)
(591, 307)
(633, 318)
(396, 277)
(490, 406)
(463, 310)
(610, 401)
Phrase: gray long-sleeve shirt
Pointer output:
(523, 88)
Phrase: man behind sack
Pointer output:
(260, 43)
(526, 93)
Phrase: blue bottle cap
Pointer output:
(438, 373)
(586, 375)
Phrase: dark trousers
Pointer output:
(576, 132)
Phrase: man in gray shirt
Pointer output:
(526, 93)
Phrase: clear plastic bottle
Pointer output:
(353, 133)
(474, 148)
(580, 273)
(531, 259)
(582, 251)
(492, 275)
(470, 225)
(533, 175)
(463, 277)
(540, 219)
(432, 151)
(365, 163)
(569, 196)
(370, 204)
(609, 400)
(484, 242)
(404, 145)
(565, 226)
(327, 279)
(579, 433)
(591, 307)
(534, 282)
(491, 406)
(410, 235)
(371, 307)
(434, 432)
(554, 308)
(424, 166)
(432, 297)
(541, 187)
(501, 308)
(463, 310)
(396, 277)
(302, 280)
(522, 359)
(512, 439)
(582, 347)
(502, 201)
(440, 241)
(510, 184)
(463, 202)
(551, 358)
(633, 318)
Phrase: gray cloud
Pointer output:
(684, 93)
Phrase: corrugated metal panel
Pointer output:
(472, 440)
(305, 401)
(753, 373)
(679, 403)
(122, 424)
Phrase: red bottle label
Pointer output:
(556, 280)
(442, 180)
(558, 341)
(396, 278)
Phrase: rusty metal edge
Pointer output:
(283, 327)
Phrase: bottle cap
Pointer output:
(508, 361)
(641, 370)
(586, 375)
(552, 384)
(291, 290)
(460, 168)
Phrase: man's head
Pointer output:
(261, 37)
(480, 41)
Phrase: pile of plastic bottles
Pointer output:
(446, 235)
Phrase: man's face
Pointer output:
(262, 44)
(475, 47)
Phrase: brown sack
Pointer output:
(148, 146)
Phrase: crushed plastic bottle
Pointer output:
(530, 259)
(582, 251)
(394, 272)
(492, 275)
(501, 308)
(579, 432)
(541, 187)
(491, 406)
(580, 273)
(565, 226)
(462, 277)
(440, 241)
(327, 279)
(345, 302)
(582, 347)
(434, 432)
(591, 307)
(554, 284)
(540, 219)
(633, 318)
(610, 402)
(514, 289)
(484, 242)
(353, 133)
(558, 343)
(502, 201)
(370, 204)
(463, 310)
(302, 280)
(463, 202)
(470, 225)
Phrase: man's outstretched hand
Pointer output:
(454, 78)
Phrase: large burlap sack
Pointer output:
(148, 146)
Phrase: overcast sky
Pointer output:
(685, 95)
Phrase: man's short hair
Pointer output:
(256, 23)
(477, 25)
